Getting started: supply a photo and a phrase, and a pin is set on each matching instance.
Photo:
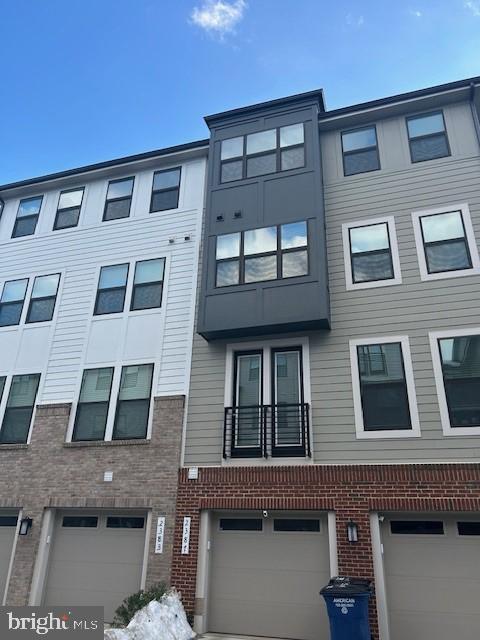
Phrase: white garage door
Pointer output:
(432, 573)
(8, 523)
(96, 559)
(266, 575)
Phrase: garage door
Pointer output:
(8, 523)
(96, 559)
(432, 573)
(265, 575)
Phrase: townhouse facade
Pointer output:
(333, 414)
(98, 270)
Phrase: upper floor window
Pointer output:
(262, 254)
(264, 152)
(112, 286)
(148, 284)
(383, 388)
(165, 190)
(11, 302)
(43, 298)
(445, 242)
(27, 217)
(93, 403)
(133, 404)
(119, 199)
(371, 253)
(360, 151)
(427, 137)
(68, 210)
(18, 413)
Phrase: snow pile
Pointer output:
(159, 620)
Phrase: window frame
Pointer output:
(58, 210)
(32, 299)
(434, 337)
(361, 433)
(363, 149)
(6, 394)
(118, 401)
(471, 244)
(394, 255)
(124, 287)
(33, 215)
(417, 116)
(27, 298)
(154, 191)
(143, 284)
(107, 200)
(22, 311)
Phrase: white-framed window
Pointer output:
(384, 396)
(18, 393)
(456, 366)
(114, 403)
(445, 242)
(29, 300)
(371, 253)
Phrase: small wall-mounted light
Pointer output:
(237, 214)
(352, 532)
(25, 526)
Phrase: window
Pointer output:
(125, 522)
(262, 254)
(445, 242)
(2, 386)
(417, 527)
(427, 137)
(89, 522)
(371, 254)
(383, 388)
(263, 152)
(43, 298)
(468, 528)
(299, 524)
(27, 217)
(133, 406)
(360, 151)
(241, 524)
(148, 284)
(11, 302)
(92, 409)
(166, 189)
(119, 199)
(19, 408)
(112, 286)
(68, 210)
(8, 521)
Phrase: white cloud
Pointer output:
(218, 16)
(416, 13)
(474, 6)
(354, 21)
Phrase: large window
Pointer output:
(262, 254)
(119, 199)
(133, 405)
(27, 217)
(11, 302)
(68, 210)
(112, 286)
(427, 137)
(19, 408)
(148, 284)
(384, 394)
(165, 190)
(43, 298)
(445, 242)
(92, 409)
(360, 151)
(264, 152)
(371, 253)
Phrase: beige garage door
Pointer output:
(96, 559)
(432, 572)
(265, 575)
(8, 523)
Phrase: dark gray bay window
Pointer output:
(383, 387)
(112, 286)
(119, 199)
(166, 189)
(133, 405)
(68, 210)
(43, 298)
(19, 409)
(11, 302)
(360, 151)
(371, 253)
(427, 137)
(148, 284)
(262, 254)
(93, 403)
(460, 359)
(445, 243)
(27, 217)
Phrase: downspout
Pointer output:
(476, 120)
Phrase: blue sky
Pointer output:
(89, 80)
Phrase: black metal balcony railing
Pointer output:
(267, 431)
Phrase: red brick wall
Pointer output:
(351, 491)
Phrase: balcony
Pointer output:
(267, 431)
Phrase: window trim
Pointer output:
(464, 210)
(107, 200)
(57, 211)
(434, 337)
(360, 432)
(417, 116)
(347, 255)
(348, 153)
(154, 191)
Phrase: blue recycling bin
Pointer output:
(347, 608)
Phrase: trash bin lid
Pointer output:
(345, 585)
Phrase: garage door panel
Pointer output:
(413, 625)
(431, 551)
(432, 592)
(7, 537)
(100, 545)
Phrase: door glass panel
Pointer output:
(89, 522)
(241, 524)
(287, 398)
(417, 527)
(125, 522)
(248, 400)
(298, 524)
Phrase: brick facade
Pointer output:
(353, 492)
(51, 473)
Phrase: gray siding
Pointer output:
(412, 308)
